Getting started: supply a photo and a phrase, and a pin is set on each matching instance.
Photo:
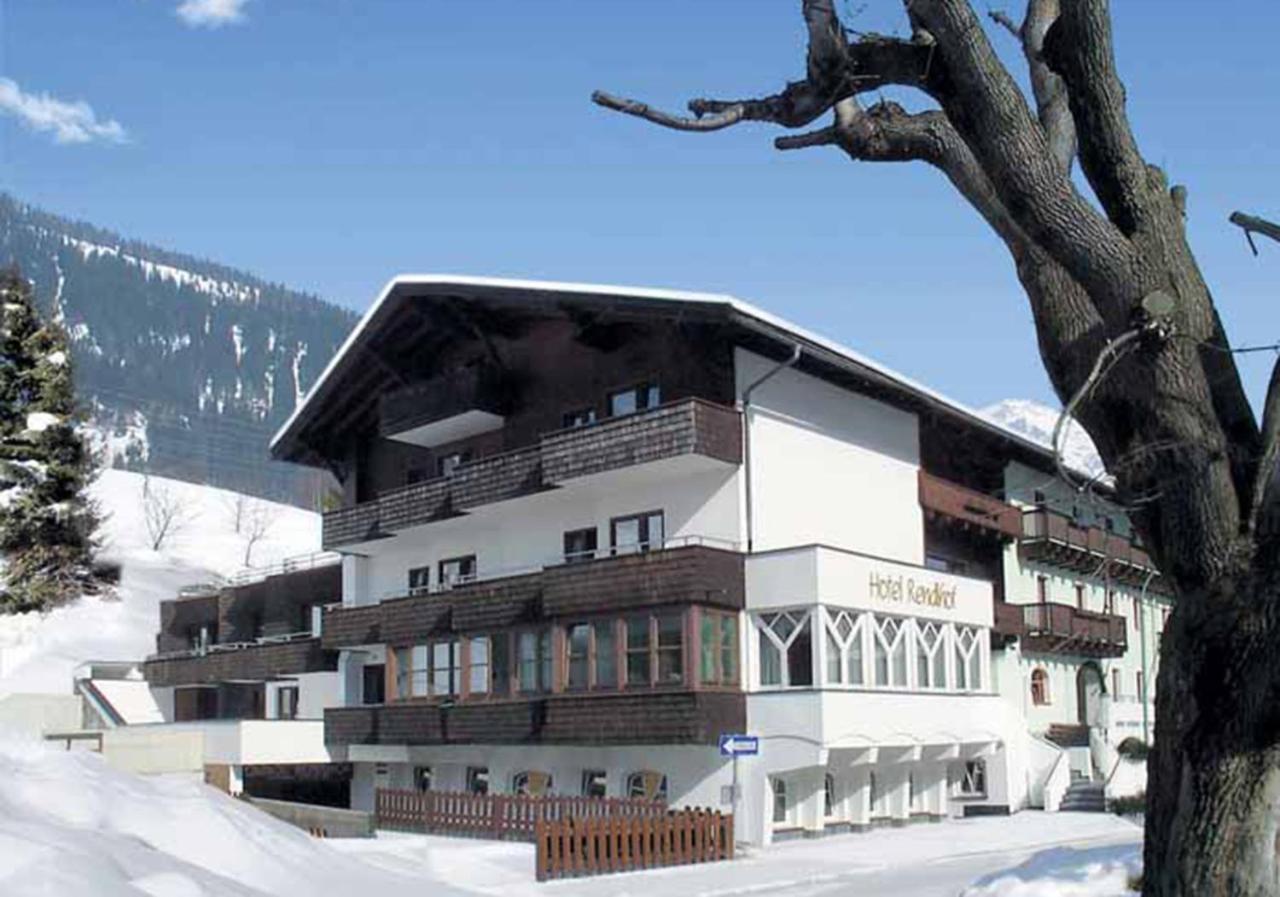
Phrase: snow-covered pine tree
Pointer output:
(46, 518)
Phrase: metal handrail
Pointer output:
(293, 564)
(223, 647)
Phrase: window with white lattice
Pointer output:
(890, 640)
(931, 657)
(786, 649)
(968, 657)
(844, 634)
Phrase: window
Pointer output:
(422, 778)
(1038, 498)
(1108, 524)
(606, 655)
(1115, 684)
(535, 660)
(844, 648)
(828, 795)
(915, 797)
(454, 571)
(1039, 687)
(580, 545)
(718, 648)
(786, 649)
(500, 663)
(890, 638)
(647, 785)
(581, 417)
(655, 648)
(419, 580)
(287, 702)
(968, 642)
(477, 780)
(1042, 589)
(578, 647)
(875, 798)
(446, 668)
(531, 783)
(1080, 596)
(639, 532)
(636, 398)
(594, 783)
(1110, 602)
(374, 682)
(1140, 691)
(478, 678)
(447, 464)
(931, 663)
(779, 800)
(670, 648)
(973, 779)
(412, 674)
(638, 650)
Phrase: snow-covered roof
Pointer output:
(745, 311)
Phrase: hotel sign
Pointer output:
(908, 589)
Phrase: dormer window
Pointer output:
(635, 398)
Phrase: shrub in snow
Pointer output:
(1133, 748)
(46, 520)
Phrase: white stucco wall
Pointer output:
(830, 466)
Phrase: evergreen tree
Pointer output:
(46, 519)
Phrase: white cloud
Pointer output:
(68, 122)
(211, 13)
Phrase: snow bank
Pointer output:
(1066, 872)
(39, 651)
(71, 826)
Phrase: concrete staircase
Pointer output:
(1084, 796)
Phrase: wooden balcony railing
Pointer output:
(958, 504)
(690, 427)
(681, 574)
(1053, 538)
(685, 716)
(1063, 629)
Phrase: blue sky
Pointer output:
(329, 144)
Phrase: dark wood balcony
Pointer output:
(972, 511)
(1052, 538)
(1062, 629)
(446, 408)
(640, 717)
(688, 428)
(683, 574)
(250, 661)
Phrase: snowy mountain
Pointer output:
(1037, 422)
(39, 651)
(186, 367)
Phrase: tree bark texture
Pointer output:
(1191, 461)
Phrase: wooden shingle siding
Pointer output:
(179, 616)
(251, 662)
(479, 388)
(641, 717)
(348, 626)
(694, 574)
(496, 603)
(405, 620)
(687, 427)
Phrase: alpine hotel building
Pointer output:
(586, 531)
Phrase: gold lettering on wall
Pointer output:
(905, 589)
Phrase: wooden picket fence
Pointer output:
(603, 844)
(500, 816)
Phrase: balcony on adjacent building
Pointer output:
(685, 571)
(445, 409)
(1055, 539)
(258, 660)
(686, 716)
(971, 511)
(689, 429)
(1062, 629)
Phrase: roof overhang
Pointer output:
(749, 318)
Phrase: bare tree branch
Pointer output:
(1052, 104)
(1078, 46)
(730, 115)
(1252, 224)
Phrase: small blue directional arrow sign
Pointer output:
(739, 745)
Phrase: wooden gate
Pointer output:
(597, 845)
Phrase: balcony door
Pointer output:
(1089, 691)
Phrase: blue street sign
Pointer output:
(739, 745)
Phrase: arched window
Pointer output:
(1039, 686)
(531, 783)
(647, 784)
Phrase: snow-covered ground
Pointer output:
(69, 825)
(39, 651)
